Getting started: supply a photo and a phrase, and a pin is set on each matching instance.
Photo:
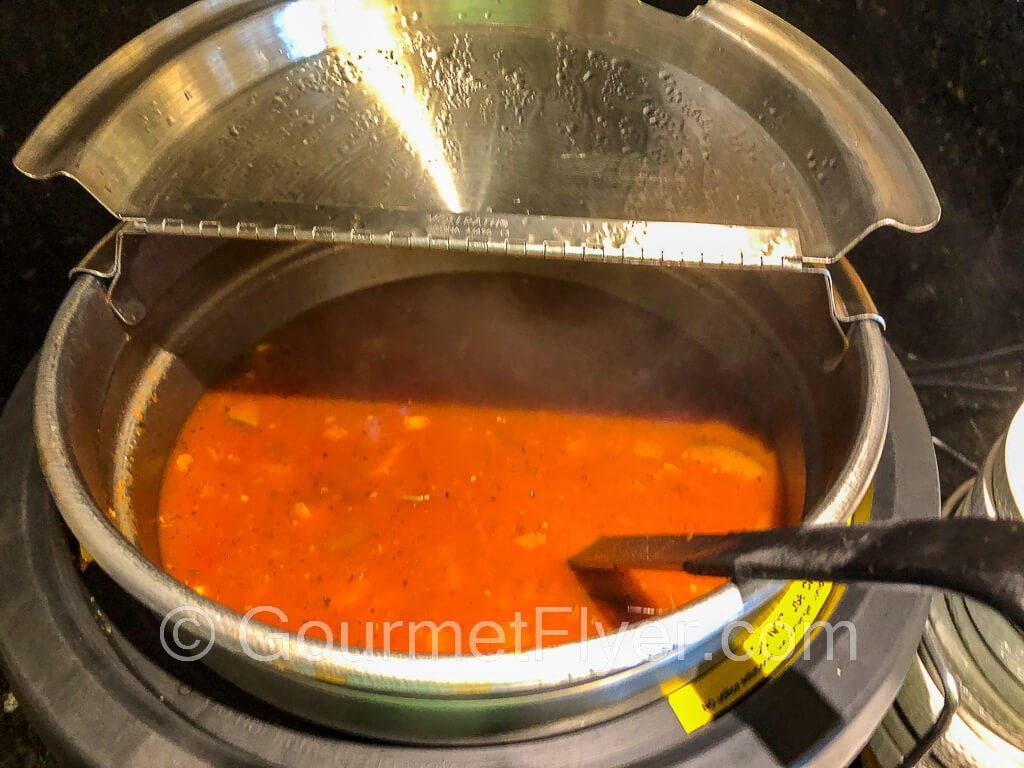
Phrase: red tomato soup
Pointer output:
(413, 465)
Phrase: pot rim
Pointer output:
(645, 645)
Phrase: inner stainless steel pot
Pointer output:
(111, 399)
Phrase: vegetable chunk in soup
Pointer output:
(413, 464)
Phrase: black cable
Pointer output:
(952, 452)
(981, 358)
(965, 385)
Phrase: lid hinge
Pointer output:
(549, 237)
(683, 244)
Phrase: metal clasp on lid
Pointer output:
(124, 301)
(849, 300)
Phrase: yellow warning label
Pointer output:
(756, 650)
(753, 656)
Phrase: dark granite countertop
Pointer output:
(949, 72)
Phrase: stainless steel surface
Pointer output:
(110, 401)
(1000, 487)
(1012, 471)
(577, 129)
(984, 654)
(990, 645)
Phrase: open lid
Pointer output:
(589, 127)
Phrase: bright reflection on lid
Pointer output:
(369, 37)
(713, 243)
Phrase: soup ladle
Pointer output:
(980, 558)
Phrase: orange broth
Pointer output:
(317, 489)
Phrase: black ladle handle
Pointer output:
(980, 558)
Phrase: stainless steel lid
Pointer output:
(576, 129)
